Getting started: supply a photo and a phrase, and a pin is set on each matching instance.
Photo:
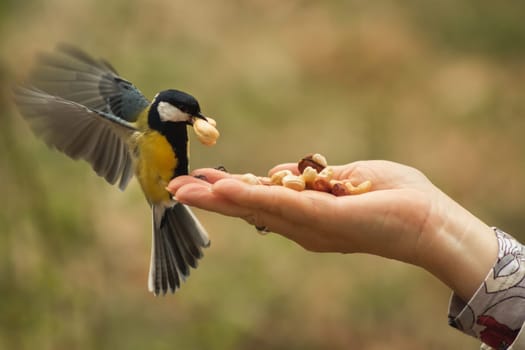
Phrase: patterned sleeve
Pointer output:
(496, 312)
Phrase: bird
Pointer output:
(81, 106)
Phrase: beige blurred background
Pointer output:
(436, 85)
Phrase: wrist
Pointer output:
(460, 250)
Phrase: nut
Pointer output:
(321, 184)
(309, 160)
(293, 182)
(315, 174)
(206, 132)
(349, 186)
(327, 173)
(211, 121)
(333, 182)
(277, 178)
(309, 175)
(265, 180)
(250, 179)
(339, 189)
(320, 159)
(363, 187)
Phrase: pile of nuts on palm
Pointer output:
(315, 174)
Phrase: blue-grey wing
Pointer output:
(72, 74)
(80, 132)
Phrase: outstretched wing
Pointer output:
(80, 132)
(74, 75)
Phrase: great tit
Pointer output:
(82, 107)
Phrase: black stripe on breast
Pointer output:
(177, 136)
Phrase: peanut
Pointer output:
(327, 174)
(211, 121)
(315, 175)
(250, 179)
(293, 182)
(363, 187)
(309, 175)
(277, 178)
(206, 132)
(265, 181)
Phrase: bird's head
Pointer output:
(174, 106)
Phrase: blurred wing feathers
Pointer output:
(80, 132)
(74, 75)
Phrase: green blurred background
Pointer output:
(436, 85)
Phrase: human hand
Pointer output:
(404, 217)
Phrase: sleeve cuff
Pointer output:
(496, 312)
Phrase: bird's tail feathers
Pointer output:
(178, 240)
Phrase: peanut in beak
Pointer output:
(206, 131)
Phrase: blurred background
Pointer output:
(436, 85)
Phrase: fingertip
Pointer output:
(192, 193)
(252, 196)
(177, 182)
(285, 166)
(229, 185)
(180, 181)
(202, 195)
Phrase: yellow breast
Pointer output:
(155, 165)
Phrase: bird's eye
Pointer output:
(169, 112)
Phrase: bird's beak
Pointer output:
(199, 116)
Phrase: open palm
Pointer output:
(404, 217)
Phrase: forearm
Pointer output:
(457, 247)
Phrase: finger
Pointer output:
(286, 166)
(200, 195)
(179, 181)
(276, 200)
(308, 232)
(276, 224)
(382, 174)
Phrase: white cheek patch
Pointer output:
(170, 113)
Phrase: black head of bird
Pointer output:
(173, 106)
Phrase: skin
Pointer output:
(404, 217)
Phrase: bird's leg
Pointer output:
(221, 168)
